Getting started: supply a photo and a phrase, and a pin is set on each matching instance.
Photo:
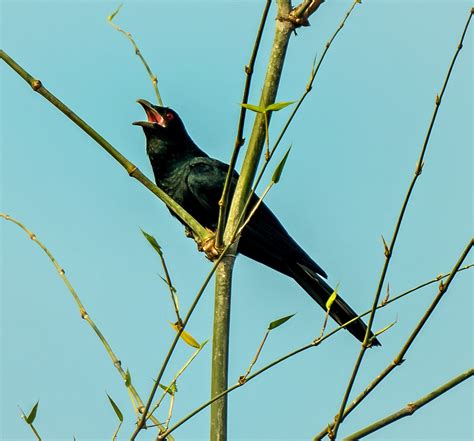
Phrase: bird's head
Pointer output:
(162, 123)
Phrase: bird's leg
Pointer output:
(208, 245)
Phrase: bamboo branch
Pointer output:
(170, 285)
(82, 310)
(308, 88)
(399, 359)
(257, 138)
(145, 410)
(412, 407)
(131, 169)
(313, 344)
(389, 250)
(220, 348)
(176, 376)
(239, 141)
(138, 53)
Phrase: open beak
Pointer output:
(153, 116)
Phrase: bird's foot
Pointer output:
(208, 246)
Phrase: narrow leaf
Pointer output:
(116, 409)
(152, 241)
(385, 329)
(253, 108)
(173, 387)
(204, 343)
(186, 336)
(32, 415)
(128, 379)
(279, 168)
(169, 390)
(332, 297)
(386, 250)
(279, 322)
(112, 16)
(278, 106)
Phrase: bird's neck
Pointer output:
(168, 157)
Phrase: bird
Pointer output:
(195, 181)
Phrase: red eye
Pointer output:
(169, 116)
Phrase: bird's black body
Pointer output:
(195, 181)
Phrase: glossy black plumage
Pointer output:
(195, 181)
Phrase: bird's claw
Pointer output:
(208, 245)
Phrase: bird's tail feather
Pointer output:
(340, 311)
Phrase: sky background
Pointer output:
(355, 146)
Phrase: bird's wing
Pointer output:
(264, 238)
(205, 181)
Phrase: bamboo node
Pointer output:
(36, 85)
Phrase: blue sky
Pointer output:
(355, 145)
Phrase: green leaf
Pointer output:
(386, 328)
(279, 168)
(279, 322)
(128, 379)
(254, 108)
(32, 415)
(204, 343)
(172, 389)
(186, 336)
(152, 241)
(112, 16)
(332, 297)
(116, 409)
(278, 106)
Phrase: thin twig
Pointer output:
(141, 422)
(272, 79)
(412, 407)
(170, 411)
(171, 287)
(153, 77)
(308, 88)
(399, 359)
(389, 252)
(131, 168)
(313, 344)
(243, 378)
(84, 315)
(175, 378)
(314, 71)
(239, 141)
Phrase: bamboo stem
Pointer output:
(411, 407)
(82, 310)
(389, 250)
(399, 359)
(239, 141)
(131, 168)
(313, 344)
